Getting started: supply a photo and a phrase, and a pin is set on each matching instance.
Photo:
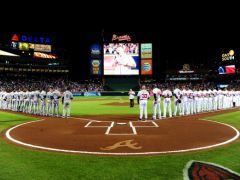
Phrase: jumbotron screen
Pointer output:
(121, 59)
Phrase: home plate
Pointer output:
(121, 123)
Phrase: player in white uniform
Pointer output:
(190, 102)
(156, 103)
(184, 101)
(210, 100)
(143, 96)
(66, 99)
(167, 94)
(177, 93)
(220, 99)
(215, 99)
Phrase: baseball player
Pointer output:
(66, 100)
(156, 103)
(167, 94)
(36, 101)
(143, 96)
(43, 98)
(56, 96)
(177, 101)
(50, 102)
(184, 101)
(215, 99)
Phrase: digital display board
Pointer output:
(121, 59)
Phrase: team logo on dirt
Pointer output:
(195, 170)
(128, 143)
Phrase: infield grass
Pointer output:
(21, 163)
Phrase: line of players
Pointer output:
(36, 102)
(187, 101)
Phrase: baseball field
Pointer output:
(20, 162)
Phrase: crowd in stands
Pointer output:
(233, 85)
(129, 48)
(32, 84)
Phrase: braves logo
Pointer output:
(128, 143)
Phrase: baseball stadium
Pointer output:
(116, 105)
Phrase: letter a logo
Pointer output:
(128, 143)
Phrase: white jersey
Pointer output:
(68, 96)
(121, 64)
(177, 94)
(143, 95)
(184, 95)
(167, 94)
(190, 94)
(158, 93)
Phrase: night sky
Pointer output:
(177, 39)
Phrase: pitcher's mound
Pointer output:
(117, 104)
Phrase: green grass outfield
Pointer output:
(20, 163)
(96, 105)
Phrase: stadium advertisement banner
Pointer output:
(121, 59)
(44, 55)
(23, 46)
(96, 51)
(96, 67)
(146, 67)
(230, 69)
(42, 48)
(92, 94)
(14, 45)
(146, 51)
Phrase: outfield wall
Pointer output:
(107, 93)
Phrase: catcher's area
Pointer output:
(123, 135)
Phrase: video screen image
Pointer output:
(121, 59)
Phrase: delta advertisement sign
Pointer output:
(31, 39)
